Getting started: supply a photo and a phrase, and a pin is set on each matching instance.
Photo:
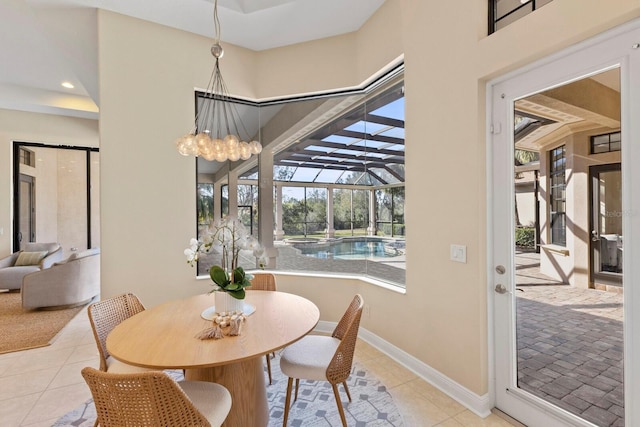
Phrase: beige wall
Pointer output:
(147, 75)
(34, 127)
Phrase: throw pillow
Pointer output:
(30, 258)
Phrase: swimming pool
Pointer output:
(351, 249)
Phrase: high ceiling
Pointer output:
(46, 42)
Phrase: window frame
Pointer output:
(558, 194)
(609, 136)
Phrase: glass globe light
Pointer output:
(220, 156)
(200, 141)
(204, 143)
(181, 146)
(208, 155)
(245, 150)
(206, 150)
(218, 145)
(189, 146)
(256, 147)
(231, 141)
(234, 155)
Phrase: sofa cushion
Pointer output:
(30, 258)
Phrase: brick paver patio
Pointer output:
(570, 344)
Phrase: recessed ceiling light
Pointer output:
(67, 85)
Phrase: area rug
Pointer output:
(22, 330)
(372, 404)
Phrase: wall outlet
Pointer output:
(459, 253)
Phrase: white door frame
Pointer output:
(618, 47)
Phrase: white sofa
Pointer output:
(11, 275)
(73, 281)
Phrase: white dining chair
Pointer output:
(324, 358)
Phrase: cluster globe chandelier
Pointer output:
(216, 134)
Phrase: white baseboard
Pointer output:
(479, 405)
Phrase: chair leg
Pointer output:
(336, 393)
(286, 402)
(297, 384)
(344, 384)
(269, 368)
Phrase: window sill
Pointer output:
(369, 280)
(556, 249)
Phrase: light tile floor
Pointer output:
(38, 386)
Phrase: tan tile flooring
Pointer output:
(38, 386)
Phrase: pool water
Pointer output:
(349, 249)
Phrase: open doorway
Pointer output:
(56, 196)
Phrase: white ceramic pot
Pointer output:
(226, 303)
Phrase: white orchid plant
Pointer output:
(228, 236)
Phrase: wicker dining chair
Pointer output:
(265, 282)
(104, 316)
(154, 399)
(324, 358)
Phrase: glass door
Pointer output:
(606, 225)
(64, 205)
(27, 224)
(560, 338)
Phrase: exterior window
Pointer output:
(27, 157)
(224, 197)
(304, 211)
(350, 211)
(390, 211)
(338, 183)
(248, 207)
(205, 203)
(557, 194)
(605, 143)
(504, 12)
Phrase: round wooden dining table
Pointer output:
(164, 337)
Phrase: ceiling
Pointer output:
(46, 42)
(587, 104)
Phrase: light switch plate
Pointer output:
(459, 253)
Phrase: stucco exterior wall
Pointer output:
(573, 267)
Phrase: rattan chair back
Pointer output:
(347, 332)
(146, 399)
(107, 314)
(263, 282)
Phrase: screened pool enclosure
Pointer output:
(326, 195)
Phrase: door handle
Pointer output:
(501, 289)
(594, 236)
